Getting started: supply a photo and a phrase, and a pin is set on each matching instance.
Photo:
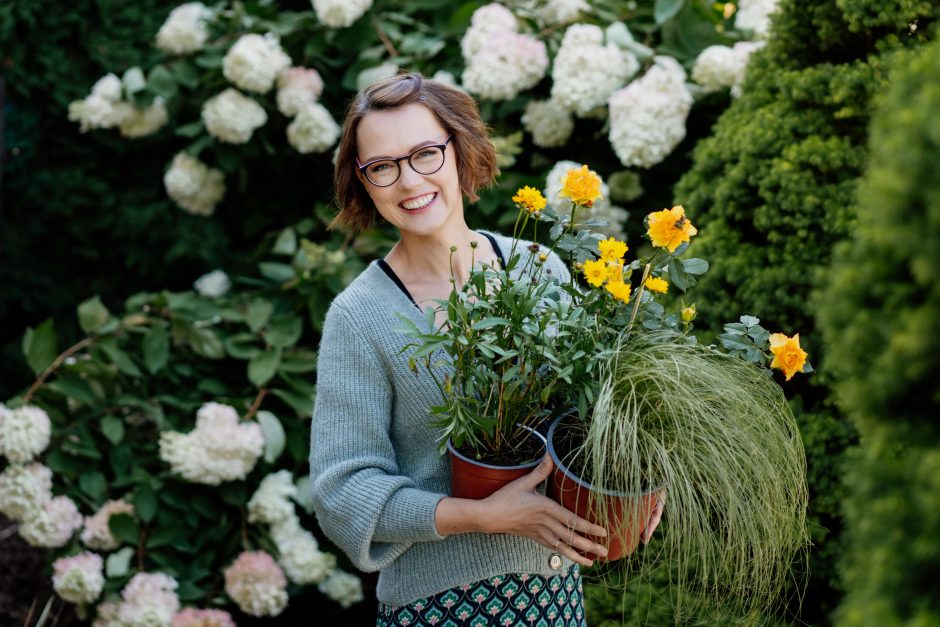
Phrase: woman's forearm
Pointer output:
(455, 515)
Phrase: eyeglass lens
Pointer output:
(426, 160)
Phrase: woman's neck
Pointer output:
(428, 257)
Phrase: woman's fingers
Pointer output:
(572, 521)
(656, 516)
(538, 475)
(575, 541)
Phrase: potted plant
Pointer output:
(638, 411)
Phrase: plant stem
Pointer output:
(55, 365)
(262, 392)
(389, 46)
(639, 295)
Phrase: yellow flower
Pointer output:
(788, 356)
(612, 249)
(595, 272)
(615, 271)
(688, 313)
(620, 291)
(669, 228)
(530, 198)
(656, 284)
(582, 186)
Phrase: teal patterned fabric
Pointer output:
(507, 600)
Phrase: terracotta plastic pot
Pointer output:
(626, 513)
(470, 479)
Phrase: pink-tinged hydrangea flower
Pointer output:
(97, 534)
(340, 13)
(193, 185)
(219, 449)
(342, 587)
(485, 21)
(191, 617)
(24, 433)
(149, 599)
(254, 62)
(79, 578)
(24, 489)
(232, 117)
(106, 614)
(298, 87)
(185, 30)
(53, 524)
(647, 117)
(257, 584)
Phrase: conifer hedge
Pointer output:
(881, 322)
(774, 189)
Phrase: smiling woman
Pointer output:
(412, 151)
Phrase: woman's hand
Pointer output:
(519, 510)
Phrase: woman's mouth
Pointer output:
(418, 203)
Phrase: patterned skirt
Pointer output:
(508, 600)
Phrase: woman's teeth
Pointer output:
(419, 202)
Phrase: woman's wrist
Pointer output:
(455, 515)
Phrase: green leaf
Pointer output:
(72, 385)
(92, 315)
(274, 437)
(303, 497)
(185, 73)
(664, 10)
(695, 266)
(259, 312)
(190, 130)
(156, 349)
(145, 502)
(299, 361)
(286, 243)
(133, 80)
(113, 429)
(94, 485)
(40, 346)
(164, 535)
(119, 562)
(285, 332)
(242, 345)
(300, 403)
(263, 366)
(205, 342)
(121, 457)
(749, 321)
(124, 528)
(120, 359)
(279, 272)
(234, 493)
(62, 463)
(679, 277)
(162, 82)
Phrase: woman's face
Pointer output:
(422, 204)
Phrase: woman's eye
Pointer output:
(424, 154)
(380, 167)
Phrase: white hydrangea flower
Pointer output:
(150, 600)
(486, 20)
(601, 210)
(509, 64)
(24, 489)
(53, 524)
(24, 433)
(342, 587)
(549, 123)
(97, 534)
(254, 62)
(271, 504)
(300, 556)
(754, 16)
(108, 87)
(79, 578)
(561, 11)
(647, 117)
(213, 284)
(298, 87)
(445, 77)
(218, 449)
(106, 615)
(313, 130)
(185, 30)
(742, 55)
(102, 108)
(193, 185)
(232, 116)
(257, 584)
(586, 72)
(142, 122)
(192, 617)
(374, 74)
(718, 67)
(340, 13)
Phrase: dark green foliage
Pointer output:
(881, 322)
(774, 189)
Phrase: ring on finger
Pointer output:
(557, 542)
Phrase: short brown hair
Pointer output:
(457, 112)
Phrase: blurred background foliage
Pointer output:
(774, 179)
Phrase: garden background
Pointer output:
(804, 148)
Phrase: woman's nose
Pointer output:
(409, 177)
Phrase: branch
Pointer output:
(256, 404)
(54, 366)
(389, 46)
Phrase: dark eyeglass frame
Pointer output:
(397, 161)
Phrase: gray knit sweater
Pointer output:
(376, 473)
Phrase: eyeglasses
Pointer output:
(424, 160)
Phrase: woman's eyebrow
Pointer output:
(427, 142)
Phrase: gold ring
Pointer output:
(557, 542)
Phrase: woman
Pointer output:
(411, 150)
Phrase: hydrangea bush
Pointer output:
(162, 458)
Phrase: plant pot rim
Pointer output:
(573, 477)
(532, 464)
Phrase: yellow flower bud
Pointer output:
(688, 314)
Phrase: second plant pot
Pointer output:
(623, 514)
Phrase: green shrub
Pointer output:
(881, 321)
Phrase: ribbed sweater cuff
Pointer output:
(409, 517)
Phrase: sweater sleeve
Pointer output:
(362, 502)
